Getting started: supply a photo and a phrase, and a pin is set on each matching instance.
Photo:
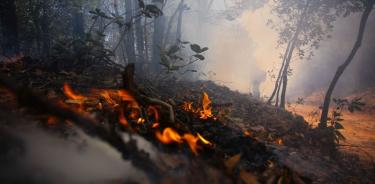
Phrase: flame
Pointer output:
(168, 136)
(140, 121)
(155, 125)
(126, 96)
(107, 97)
(279, 141)
(51, 120)
(205, 141)
(122, 119)
(151, 110)
(188, 106)
(70, 94)
(192, 142)
(247, 133)
(206, 111)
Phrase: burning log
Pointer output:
(129, 151)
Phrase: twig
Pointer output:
(128, 84)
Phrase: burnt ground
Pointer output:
(253, 142)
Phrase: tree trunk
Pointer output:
(45, 29)
(130, 41)
(277, 83)
(145, 36)
(340, 70)
(290, 54)
(278, 92)
(169, 27)
(9, 28)
(179, 21)
(157, 38)
(140, 39)
(78, 23)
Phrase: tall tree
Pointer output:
(78, 21)
(130, 34)
(301, 24)
(157, 38)
(140, 37)
(368, 7)
(181, 8)
(9, 27)
(45, 26)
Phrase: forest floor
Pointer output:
(244, 139)
(359, 127)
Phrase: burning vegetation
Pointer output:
(115, 92)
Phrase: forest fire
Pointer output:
(187, 91)
(132, 111)
(204, 112)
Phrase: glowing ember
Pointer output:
(247, 133)
(70, 94)
(51, 120)
(279, 141)
(140, 121)
(188, 106)
(155, 125)
(168, 136)
(108, 99)
(122, 119)
(205, 141)
(126, 96)
(192, 142)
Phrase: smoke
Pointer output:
(243, 49)
(50, 159)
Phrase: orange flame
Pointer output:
(247, 133)
(192, 142)
(168, 136)
(188, 106)
(206, 112)
(140, 121)
(153, 111)
(279, 141)
(51, 120)
(126, 96)
(205, 141)
(70, 94)
(155, 125)
(122, 119)
(108, 99)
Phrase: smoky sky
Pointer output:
(243, 48)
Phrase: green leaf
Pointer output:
(196, 48)
(154, 10)
(141, 4)
(200, 57)
(204, 49)
(173, 49)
